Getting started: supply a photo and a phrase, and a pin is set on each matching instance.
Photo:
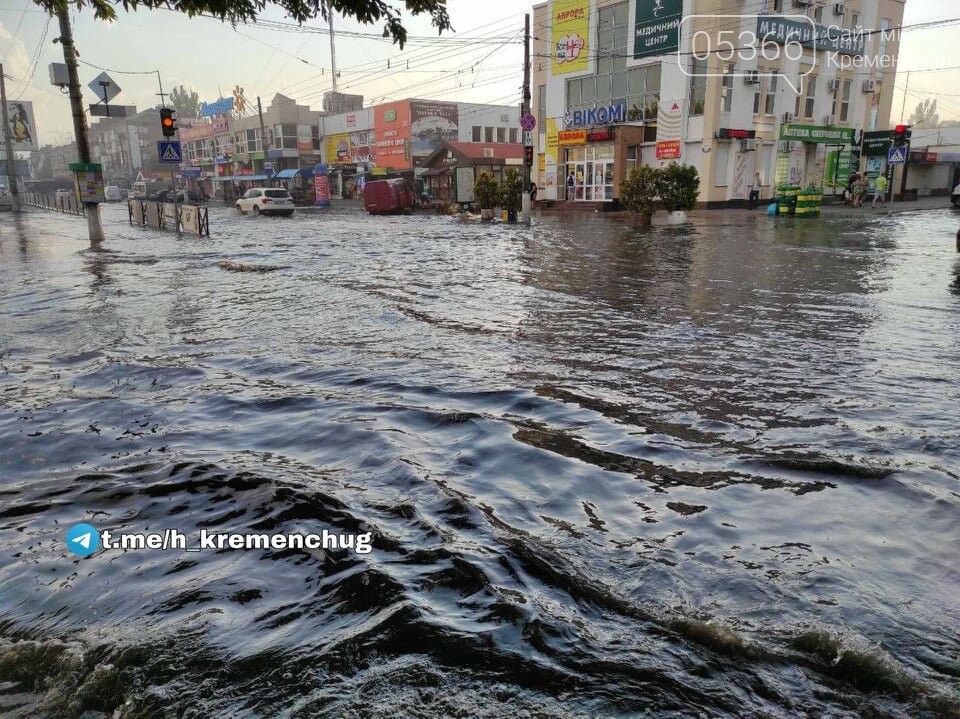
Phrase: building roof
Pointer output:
(480, 150)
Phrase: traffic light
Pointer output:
(901, 134)
(168, 122)
(528, 155)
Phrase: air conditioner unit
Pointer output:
(838, 9)
(833, 85)
(787, 117)
(748, 145)
(752, 77)
(870, 85)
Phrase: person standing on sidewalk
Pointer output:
(755, 191)
(859, 190)
(879, 191)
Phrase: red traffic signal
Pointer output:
(901, 133)
(528, 155)
(168, 122)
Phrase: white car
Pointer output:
(955, 197)
(266, 201)
(112, 193)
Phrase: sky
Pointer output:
(481, 61)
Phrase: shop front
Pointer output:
(589, 161)
(449, 171)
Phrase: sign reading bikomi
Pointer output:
(657, 27)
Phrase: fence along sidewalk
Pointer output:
(166, 216)
(66, 204)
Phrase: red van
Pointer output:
(387, 197)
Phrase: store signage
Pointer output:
(727, 133)
(669, 150)
(656, 29)
(572, 137)
(877, 142)
(817, 134)
(600, 136)
(223, 106)
(221, 126)
(783, 31)
(615, 112)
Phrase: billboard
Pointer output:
(430, 123)
(23, 130)
(304, 138)
(656, 27)
(360, 146)
(391, 130)
(337, 148)
(569, 35)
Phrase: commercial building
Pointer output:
(398, 137)
(127, 146)
(628, 82)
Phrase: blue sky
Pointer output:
(212, 57)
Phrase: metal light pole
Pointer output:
(92, 209)
(525, 201)
(8, 146)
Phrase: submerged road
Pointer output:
(710, 470)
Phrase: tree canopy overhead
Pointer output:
(367, 12)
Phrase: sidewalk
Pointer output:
(923, 203)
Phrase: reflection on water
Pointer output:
(609, 470)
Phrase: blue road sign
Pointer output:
(169, 151)
(192, 173)
(897, 155)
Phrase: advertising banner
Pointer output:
(669, 150)
(360, 146)
(337, 148)
(22, 130)
(552, 141)
(304, 138)
(197, 132)
(656, 27)
(569, 35)
(391, 123)
(431, 122)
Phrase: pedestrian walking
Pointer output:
(879, 191)
(755, 191)
(533, 191)
(859, 190)
(571, 181)
(851, 188)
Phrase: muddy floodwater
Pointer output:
(606, 471)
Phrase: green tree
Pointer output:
(185, 102)
(243, 11)
(926, 114)
(485, 191)
(638, 191)
(511, 190)
(678, 187)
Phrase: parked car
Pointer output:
(266, 201)
(955, 197)
(63, 194)
(112, 193)
(167, 196)
(387, 197)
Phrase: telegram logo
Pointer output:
(83, 539)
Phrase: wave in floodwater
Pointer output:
(607, 471)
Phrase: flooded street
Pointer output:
(609, 471)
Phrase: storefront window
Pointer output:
(592, 170)
(698, 86)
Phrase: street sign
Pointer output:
(108, 111)
(268, 169)
(104, 87)
(169, 151)
(528, 122)
(897, 155)
(192, 173)
(527, 138)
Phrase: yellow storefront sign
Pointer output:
(337, 148)
(569, 35)
(572, 137)
(552, 140)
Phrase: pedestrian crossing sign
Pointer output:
(169, 151)
(897, 155)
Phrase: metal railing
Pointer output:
(191, 219)
(66, 204)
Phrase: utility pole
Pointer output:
(333, 50)
(903, 107)
(92, 209)
(524, 111)
(263, 135)
(8, 145)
